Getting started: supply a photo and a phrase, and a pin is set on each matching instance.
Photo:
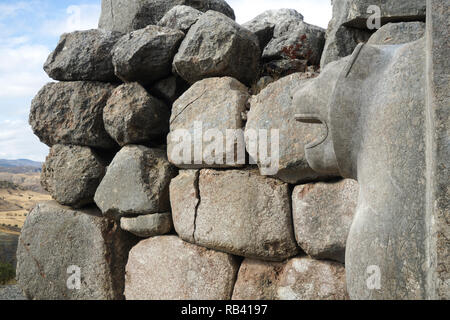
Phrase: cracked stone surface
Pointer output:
(55, 238)
(398, 33)
(323, 214)
(167, 268)
(213, 104)
(238, 212)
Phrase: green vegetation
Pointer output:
(7, 273)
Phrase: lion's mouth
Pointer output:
(313, 119)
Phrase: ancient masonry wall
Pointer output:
(140, 215)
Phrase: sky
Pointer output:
(30, 30)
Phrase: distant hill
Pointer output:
(20, 166)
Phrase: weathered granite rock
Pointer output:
(136, 183)
(212, 104)
(356, 15)
(438, 51)
(167, 268)
(58, 242)
(398, 33)
(169, 89)
(376, 124)
(296, 40)
(307, 279)
(257, 280)
(136, 14)
(147, 226)
(272, 109)
(180, 17)
(83, 55)
(323, 214)
(239, 212)
(72, 113)
(133, 116)
(71, 174)
(216, 46)
(146, 55)
(263, 25)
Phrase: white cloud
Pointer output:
(18, 141)
(317, 12)
(78, 17)
(21, 71)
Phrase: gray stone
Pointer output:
(72, 113)
(57, 240)
(131, 15)
(257, 280)
(438, 137)
(11, 293)
(166, 268)
(184, 200)
(132, 116)
(147, 226)
(146, 55)
(216, 46)
(263, 25)
(323, 214)
(83, 55)
(272, 109)
(296, 40)
(348, 26)
(307, 279)
(214, 104)
(284, 67)
(355, 13)
(71, 174)
(238, 212)
(375, 116)
(180, 17)
(169, 89)
(398, 33)
(136, 183)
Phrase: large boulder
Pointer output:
(216, 46)
(263, 25)
(323, 214)
(136, 183)
(272, 109)
(300, 278)
(257, 280)
(398, 33)
(211, 104)
(146, 55)
(72, 113)
(180, 17)
(167, 268)
(133, 116)
(307, 279)
(147, 226)
(61, 248)
(83, 55)
(239, 212)
(131, 15)
(295, 39)
(71, 174)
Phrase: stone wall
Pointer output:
(163, 185)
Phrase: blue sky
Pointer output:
(29, 31)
